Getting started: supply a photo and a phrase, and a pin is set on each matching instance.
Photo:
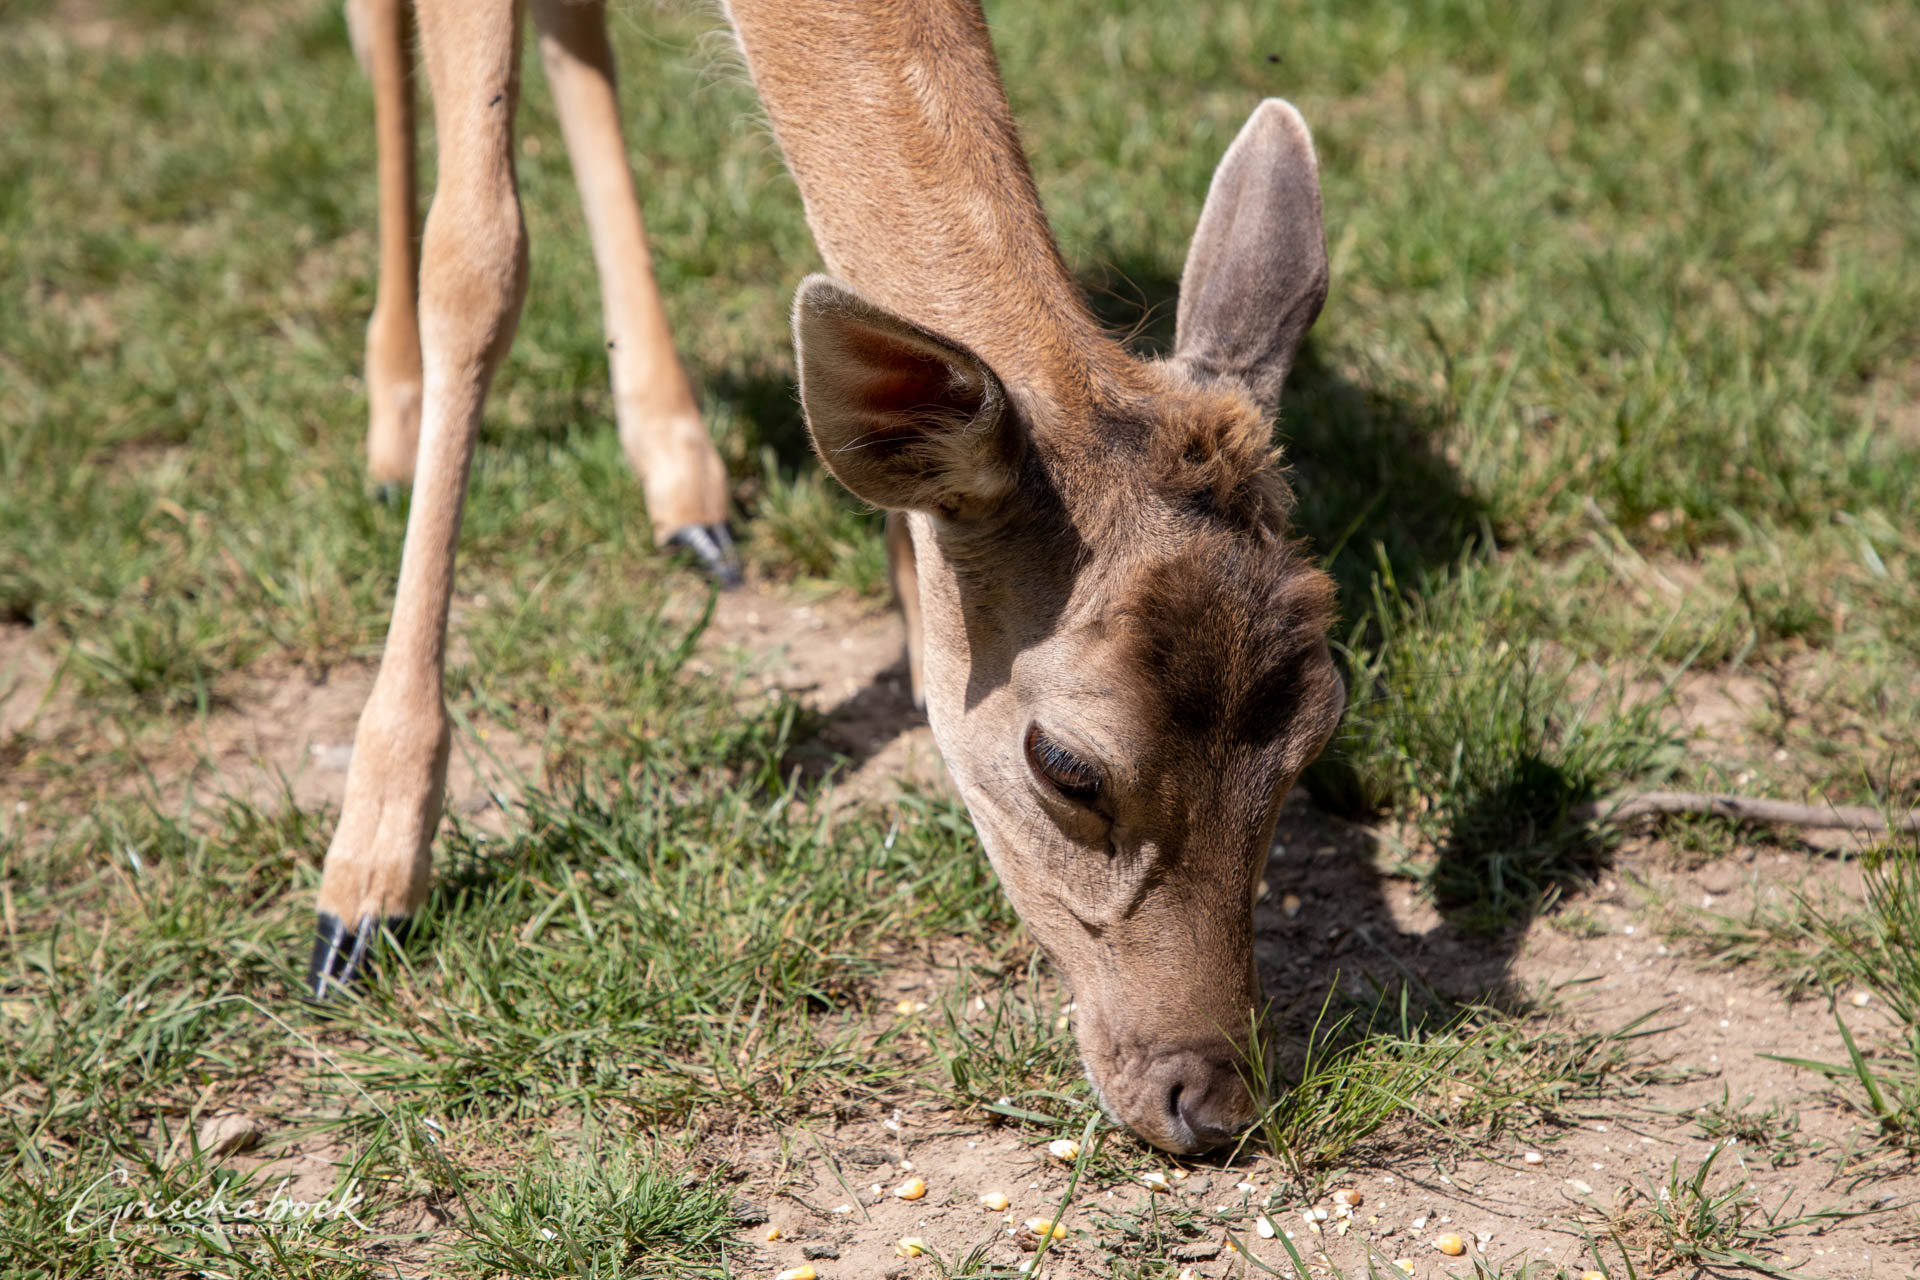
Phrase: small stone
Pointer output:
(820, 1252)
(229, 1134)
(1534, 1157)
(1290, 905)
(1196, 1251)
(748, 1214)
(1584, 1188)
(1263, 1227)
(868, 1156)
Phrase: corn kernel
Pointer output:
(1451, 1245)
(911, 1189)
(773, 1233)
(1064, 1149)
(1263, 1227)
(907, 1008)
(1155, 1180)
(1349, 1197)
(910, 1247)
(804, 1271)
(1044, 1227)
(995, 1200)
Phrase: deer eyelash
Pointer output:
(1067, 773)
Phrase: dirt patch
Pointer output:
(1539, 1198)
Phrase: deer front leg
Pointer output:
(473, 276)
(906, 589)
(380, 37)
(660, 425)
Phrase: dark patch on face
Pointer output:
(1227, 635)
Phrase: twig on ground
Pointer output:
(1629, 805)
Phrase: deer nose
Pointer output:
(1206, 1098)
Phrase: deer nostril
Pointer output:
(1207, 1101)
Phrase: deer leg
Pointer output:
(380, 38)
(473, 276)
(906, 589)
(660, 425)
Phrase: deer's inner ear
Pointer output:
(900, 416)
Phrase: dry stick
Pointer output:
(1634, 804)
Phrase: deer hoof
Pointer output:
(712, 546)
(341, 954)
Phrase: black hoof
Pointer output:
(712, 546)
(340, 954)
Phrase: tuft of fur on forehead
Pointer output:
(1211, 453)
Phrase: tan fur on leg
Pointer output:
(660, 425)
(472, 280)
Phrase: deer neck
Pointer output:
(897, 130)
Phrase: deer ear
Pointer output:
(1256, 274)
(902, 417)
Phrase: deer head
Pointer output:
(1125, 656)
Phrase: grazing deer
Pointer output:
(1122, 655)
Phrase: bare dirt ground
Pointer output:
(1328, 911)
(1600, 1169)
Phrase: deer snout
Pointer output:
(1202, 1099)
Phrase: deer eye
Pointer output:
(1066, 773)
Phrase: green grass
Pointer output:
(1615, 389)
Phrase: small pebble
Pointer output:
(1263, 1227)
(1533, 1157)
